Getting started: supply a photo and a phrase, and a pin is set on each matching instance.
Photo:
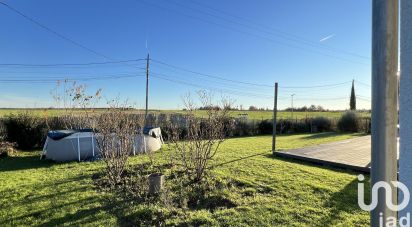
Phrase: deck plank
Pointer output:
(354, 154)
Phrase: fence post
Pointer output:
(275, 107)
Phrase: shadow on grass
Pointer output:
(80, 217)
(345, 201)
(324, 135)
(53, 202)
(342, 202)
(300, 162)
(238, 159)
(47, 205)
(34, 196)
(23, 163)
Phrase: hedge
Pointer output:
(29, 132)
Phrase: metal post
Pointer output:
(384, 103)
(405, 120)
(147, 88)
(275, 110)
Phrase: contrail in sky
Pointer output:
(326, 38)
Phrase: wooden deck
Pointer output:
(354, 154)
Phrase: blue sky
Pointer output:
(296, 43)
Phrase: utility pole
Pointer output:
(275, 110)
(384, 165)
(405, 156)
(147, 88)
(292, 104)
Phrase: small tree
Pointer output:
(116, 130)
(352, 103)
(203, 137)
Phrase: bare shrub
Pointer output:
(7, 148)
(116, 131)
(78, 106)
(199, 145)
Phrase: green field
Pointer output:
(270, 190)
(253, 115)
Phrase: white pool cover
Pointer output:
(78, 145)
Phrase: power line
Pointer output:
(65, 75)
(53, 31)
(186, 75)
(249, 83)
(86, 48)
(364, 84)
(70, 64)
(52, 73)
(317, 86)
(315, 91)
(248, 33)
(217, 83)
(213, 88)
(321, 99)
(266, 29)
(210, 76)
(364, 99)
(50, 80)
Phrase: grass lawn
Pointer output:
(270, 190)
(253, 115)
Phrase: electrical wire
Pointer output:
(210, 76)
(250, 83)
(53, 80)
(248, 33)
(53, 31)
(319, 99)
(70, 64)
(219, 84)
(316, 86)
(364, 84)
(58, 34)
(265, 29)
(211, 88)
(363, 99)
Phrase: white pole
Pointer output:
(405, 105)
(78, 145)
(144, 141)
(384, 104)
(93, 143)
(45, 147)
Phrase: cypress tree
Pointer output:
(352, 103)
